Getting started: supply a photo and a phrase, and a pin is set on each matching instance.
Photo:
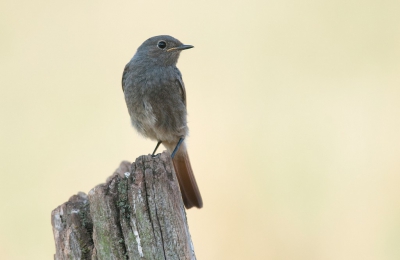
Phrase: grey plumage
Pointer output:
(156, 100)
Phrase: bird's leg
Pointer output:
(177, 147)
(155, 149)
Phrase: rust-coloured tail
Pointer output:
(187, 182)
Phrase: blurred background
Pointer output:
(294, 117)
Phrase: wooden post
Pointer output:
(137, 214)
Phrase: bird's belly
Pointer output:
(157, 117)
(144, 119)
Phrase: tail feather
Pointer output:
(187, 182)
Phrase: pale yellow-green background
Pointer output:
(294, 116)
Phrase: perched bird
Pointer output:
(156, 99)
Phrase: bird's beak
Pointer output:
(180, 48)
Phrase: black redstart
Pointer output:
(156, 100)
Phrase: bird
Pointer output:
(155, 96)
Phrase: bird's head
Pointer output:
(162, 49)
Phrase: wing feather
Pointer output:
(124, 76)
(181, 87)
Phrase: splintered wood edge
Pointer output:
(138, 213)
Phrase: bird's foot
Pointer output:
(155, 149)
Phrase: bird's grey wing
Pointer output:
(181, 87)
(124, 76)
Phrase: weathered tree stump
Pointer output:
(137, 214)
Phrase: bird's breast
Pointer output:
(155, 103)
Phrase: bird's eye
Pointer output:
(161, 44)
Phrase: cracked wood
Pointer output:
(137, 214)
